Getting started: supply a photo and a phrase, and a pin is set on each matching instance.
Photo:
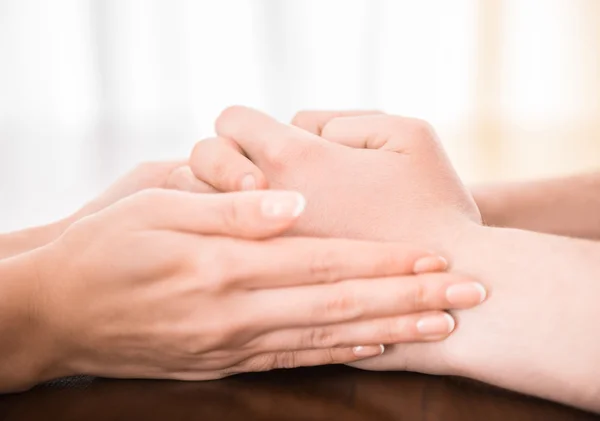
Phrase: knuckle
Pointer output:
(305, 119)
(330, 357)
(176, 180)
(228, 116)
(344, 305)
(215, 268)
(192, 345)
(148, 198)
(199, 149)
(419, 296)
(320, 337)
(286, 359)
(421, 130)
(291, 148)
(390, 332)
(324, 266)
(299, 118)
(259, 363)
(214, 280)
(206, 157)
(282, 153)
(420, 125)
(394, 123)
(218, 335)
(232, 214)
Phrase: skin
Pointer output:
(566, 206)
(387, 178)
(148, 175)
(163, 293)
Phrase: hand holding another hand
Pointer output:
(406, 190)
(169, 284)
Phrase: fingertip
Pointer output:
(282, 205)
(430, 264)
(466, 294)
(248, 183)
(451, 322)
(434, 326)
(368, 351)
(271, 212)
(253, 181)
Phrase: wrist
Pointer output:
(50, 271)
(15, 243)
(29, 353)
(510, 339)
(491, 205)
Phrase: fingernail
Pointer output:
(248, 182)
(430, 264)
(282, 205)
(467, 294)
(368, 351)
(435, 325)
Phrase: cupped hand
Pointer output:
(170, 284)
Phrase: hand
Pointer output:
(406, 191)
(148, 175)
(510, 341)
(168, 175)
(163, 291)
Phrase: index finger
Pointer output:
(261, 137)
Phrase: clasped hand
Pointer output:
(148, 281)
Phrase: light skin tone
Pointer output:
(505, 212)
(387, 178)
(181, 285)
(148, 175)
(566, 206)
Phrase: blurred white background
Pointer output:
(89, 88)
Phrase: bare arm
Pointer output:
(564, 206)
(538, 332)
(24, 348)
(18, 242)
(147, 175)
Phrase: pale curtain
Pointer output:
(88, 88)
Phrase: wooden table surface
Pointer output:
(325, 393)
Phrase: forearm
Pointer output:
(25, 349)
(538, 331)
(567, 206)
(18, 242)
